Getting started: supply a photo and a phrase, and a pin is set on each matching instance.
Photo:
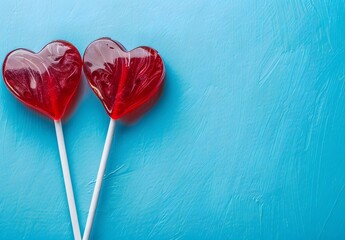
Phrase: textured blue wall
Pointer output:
(247, 142)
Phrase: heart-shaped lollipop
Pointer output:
(127, 83)
(123, 80)
(45, 81)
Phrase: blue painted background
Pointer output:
(247, 142)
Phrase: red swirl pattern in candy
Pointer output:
(45, 81)
(123, 80)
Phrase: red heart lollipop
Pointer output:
(123, 80)
(45, 81)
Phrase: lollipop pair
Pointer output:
(126, 82)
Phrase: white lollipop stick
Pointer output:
(67, 180)
(99, 180)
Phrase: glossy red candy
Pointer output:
(123, 80)
(45, 81)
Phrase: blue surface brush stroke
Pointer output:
(247, 141)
